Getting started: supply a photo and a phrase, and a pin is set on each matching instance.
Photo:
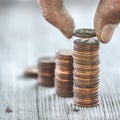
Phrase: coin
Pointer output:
(45, 81)
(64, 73)
(84, 33)
(86, 103)
(64, 53)
(63, 93)
(46, 62)
(46, 68)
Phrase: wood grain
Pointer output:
(22, 42)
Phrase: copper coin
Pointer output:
(64, 62)
(66, 53)
(88, 67)
(86, 90)
(46, 82)
(86, 73)
(64, 76)
(86, 48)
(46, 74)
(85, 85)
(63, 72)
(87, 106)
(81, 104)
(63, 68)
(64, 94)
(81, 96)
(46, 60)
(89, 41)
(64, 80)
(64, 90)
(84, 33)
(85, 79)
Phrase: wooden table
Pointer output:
(24, 37)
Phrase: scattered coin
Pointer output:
(64, 73)
(46, 68)
(8, 110)
(84, 33)
(75, 110)
(86, 70)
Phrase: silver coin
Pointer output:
(84, 33)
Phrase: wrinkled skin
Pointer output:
(106, 19)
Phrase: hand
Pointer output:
(106, 19)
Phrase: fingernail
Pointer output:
(107, 32)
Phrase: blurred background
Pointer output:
(24, 32)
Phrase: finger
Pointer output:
(56, 14)
(107, 19)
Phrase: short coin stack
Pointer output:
(31, 72)
(64, 73)
(46, 67)
(86, 72)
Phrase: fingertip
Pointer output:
(107, 33)
(69, 36)
(68, 30)
(105, 21)
(104, 31)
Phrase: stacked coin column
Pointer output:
(86, 72)
(46, 68)
(64, 73)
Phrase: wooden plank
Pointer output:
(17, 93)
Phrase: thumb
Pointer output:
(106, 19)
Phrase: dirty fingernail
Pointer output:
(107, 32)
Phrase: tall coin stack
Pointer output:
(46, 68)
(64, 73)
(86, 72)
